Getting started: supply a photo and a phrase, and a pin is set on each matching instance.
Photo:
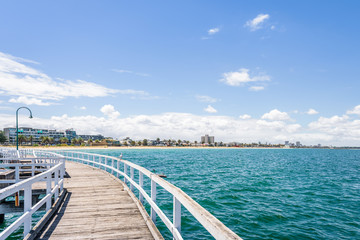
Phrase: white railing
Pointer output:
(54, 172)
(113, 165)
(7, 153)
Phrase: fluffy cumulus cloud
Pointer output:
(257, 22)
(336, 130)
(110, 111)
(31, 86)
(166, 125)
(312, 112)
(355, 110)
(212, 31)
(279, 126)
(276, 115)
(242, 77)
(245, 116)
(210, 109)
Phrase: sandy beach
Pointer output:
(135, 147)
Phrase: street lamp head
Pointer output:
(17, 128)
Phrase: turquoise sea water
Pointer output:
(261, 193)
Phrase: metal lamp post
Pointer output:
(17, 128)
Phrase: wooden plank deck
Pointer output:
(97, 207)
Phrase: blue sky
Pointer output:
(246, 71)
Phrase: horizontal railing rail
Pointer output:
(112, 164)
(53, 174)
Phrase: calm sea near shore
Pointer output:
(261, 193)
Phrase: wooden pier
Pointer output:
(98, 206)
(85, 202)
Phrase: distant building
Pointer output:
(92, 137)
(70, 133)
(10, 134)
(298, 144)
(207, 139)
(287, 143)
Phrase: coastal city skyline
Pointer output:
(55, 137)
(268, 72)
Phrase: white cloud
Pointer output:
(276, 115)
(245, 116)
(272, 27)
(336, 130)
(213, 31)
(338, 127)
(355, 110)
(30, 101)
(17, 79)
(203, 98)
(312, 112)
(110, 111)
(210, 109)
(83, 108)
(122, 71)
(131, 72)
(257, 22)
(256, 88)
(242, 77)
(279, 126)
(329, 124)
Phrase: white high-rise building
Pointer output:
(207, 139)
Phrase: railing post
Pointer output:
(118, 168)
(112, 166)
(17, 173)
(125, 172)
(141, 184)
(56, 183)
(32, 167)
(62, 174)
(48, 190)
(177, 214)
(132, 178)
(27, 207)
(153, 197)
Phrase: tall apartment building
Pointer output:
(207, 139)
(10, 133)
(70, 133)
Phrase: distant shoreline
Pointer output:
(159, 147)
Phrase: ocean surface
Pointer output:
(260, 193)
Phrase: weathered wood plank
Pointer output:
(96, 207)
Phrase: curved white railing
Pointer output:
(52, 167)
(112, 164)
